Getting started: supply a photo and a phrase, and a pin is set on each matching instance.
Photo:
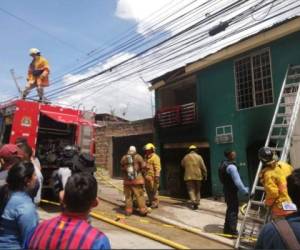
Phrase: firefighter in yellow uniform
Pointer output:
(194, 172)
(273, 177)
(132, 165)
(152, 174)
(38, 74)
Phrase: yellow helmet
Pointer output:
(149, 146)
(34, 51)
(192, 147)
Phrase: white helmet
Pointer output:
(34, 51)
(132, 150)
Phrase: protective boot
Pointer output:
(40, 91)
(25, 92)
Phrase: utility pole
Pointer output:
(15, 78)
(151, 96)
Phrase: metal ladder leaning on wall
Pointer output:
(279, 139)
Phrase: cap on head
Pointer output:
(149, 146)
(132, 150)
(34, 51)
(266, 156)
(9, 152)
(192, 147)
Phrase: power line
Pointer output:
(41, 30)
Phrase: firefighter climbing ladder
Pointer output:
(279, 139)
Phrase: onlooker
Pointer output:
(132, 164)
(284, 234)
(273, 177)
(152, 174)
(71, 230)
(18, 213)
(194, 172)
(10, 154)
(232, 183)
(36, 192)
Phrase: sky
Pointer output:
(83, 38)
(66, 32)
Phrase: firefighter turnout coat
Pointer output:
(153, 166)
(38, 72)
(194, 166)
(138, 165)
(274, 181)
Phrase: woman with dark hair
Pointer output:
(18, 216)
(36, 192)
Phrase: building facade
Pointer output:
(225, 100)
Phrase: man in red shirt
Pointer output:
(70, 230)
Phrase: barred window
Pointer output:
(253, 78)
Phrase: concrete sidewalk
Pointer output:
(207, 221)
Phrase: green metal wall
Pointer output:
(216, 103)
(217, 106)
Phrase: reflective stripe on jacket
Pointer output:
(194, 167)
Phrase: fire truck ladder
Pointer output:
(279, 140)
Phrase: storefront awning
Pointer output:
(66, 118)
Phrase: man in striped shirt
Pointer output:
(70, 230)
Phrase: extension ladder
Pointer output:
(279, 140)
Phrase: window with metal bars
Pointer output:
(253, 80)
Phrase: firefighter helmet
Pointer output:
(34, 51)
(266, 155)
(149, 146)
(192, 147)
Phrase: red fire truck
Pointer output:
(48, 129)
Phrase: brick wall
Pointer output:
(104, 135)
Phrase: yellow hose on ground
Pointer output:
(131, 229)
(191, 230)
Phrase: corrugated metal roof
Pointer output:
(273, 13)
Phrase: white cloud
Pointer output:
(128, 97)
(150, 12)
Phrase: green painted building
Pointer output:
(226, 99)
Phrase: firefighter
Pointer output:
(273, 177)
(132, 164)
(152, 174)
(194, 172)
(38, 73)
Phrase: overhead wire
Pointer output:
(204, 3)
(21, 19)
(139, 54)
(229, 34)
(86, 79)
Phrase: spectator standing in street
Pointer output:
(232, 183)
(10, 154)
(71, 229)
(18, 213)
(132, 164)
(194, 172)
(273, 177)
(285, 233)
(36, 192)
